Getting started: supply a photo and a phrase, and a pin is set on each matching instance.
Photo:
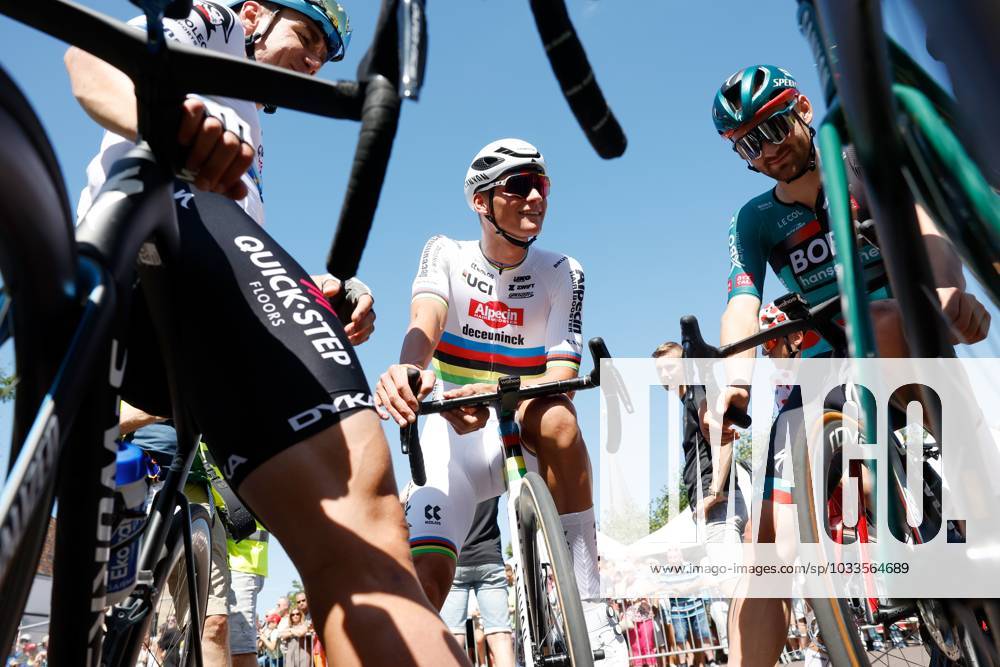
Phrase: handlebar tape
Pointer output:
(379, 120)
(576, 78)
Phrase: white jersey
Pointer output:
(518, 320)
(211, 25)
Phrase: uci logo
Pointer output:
(481, 285)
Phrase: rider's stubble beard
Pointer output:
(799, 145)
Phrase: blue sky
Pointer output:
(649, 228)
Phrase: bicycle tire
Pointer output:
(37, 314)
(169, 576)
(837, 621)
(833, 615)
(537, 519)
(470, 641)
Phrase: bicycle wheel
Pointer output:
(849, 630)
(556, 623)
(37, 262)
(166, 632)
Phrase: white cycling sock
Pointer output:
(580, 529)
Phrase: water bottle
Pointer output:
(130, 497)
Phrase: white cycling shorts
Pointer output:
(462, 471)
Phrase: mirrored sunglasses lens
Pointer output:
(521, 185)
(748, 146)
(776, 129)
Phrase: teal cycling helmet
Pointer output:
(329, 15)
(749, 93)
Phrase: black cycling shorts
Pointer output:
(265, 360)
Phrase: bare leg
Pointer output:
(343, 527)
(758, 626)
(549, 428)
(215, 641)
(245, 660)
(501, 648)
(436, 573)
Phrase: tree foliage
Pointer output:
(8, 384)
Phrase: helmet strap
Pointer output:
(250, 43)
(810, 164)
(507, 237)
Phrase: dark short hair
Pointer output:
(669, 347)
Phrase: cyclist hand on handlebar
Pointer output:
(395, 399)
(218, 154)
(968, 318)
(712, 417)
(469, 419)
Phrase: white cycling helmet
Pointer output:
(495, 160)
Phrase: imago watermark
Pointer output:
(855, 478)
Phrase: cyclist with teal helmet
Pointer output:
(328, 15)
(277, 389)
(765, 117)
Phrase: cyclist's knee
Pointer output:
(344, 490)
(551, 420)
(436, 573)
(215, 629)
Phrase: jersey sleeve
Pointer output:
(432, 279)
(564, 330)
(210, 25)
(747, 261)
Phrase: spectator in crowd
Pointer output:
(481, 571)
(690, 623)
(268, 643)
(43, 652)
(281, 609)
(247, 568)
(295, 644)
(664, 632)
(638, 625)
(18, 655)
(508, 571)
(168, 653)
(303, 605)
(706, 476)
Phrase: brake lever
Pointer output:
(409, 436)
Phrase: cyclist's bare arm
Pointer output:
(969, 319)
(105, 93)
(217, 157)
(393, 397)
(132, 419)
(739, 320)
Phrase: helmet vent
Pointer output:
(484, 163)
(732, 96)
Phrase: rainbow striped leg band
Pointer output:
(433, 545)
